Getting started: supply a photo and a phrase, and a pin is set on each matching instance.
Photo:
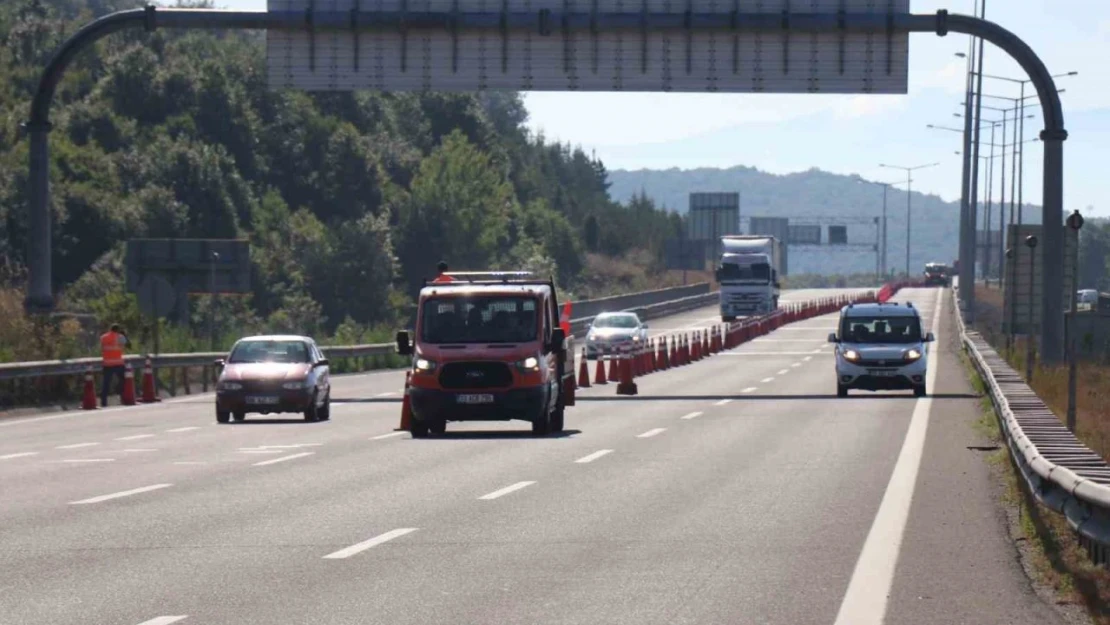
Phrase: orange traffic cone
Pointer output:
(626, 385)
(127, 397)
(406, 406)
(149, 396)
(88, 397)
(661, 355)
(705, 349)
(584, 373)
(599, 374)
(614, 372)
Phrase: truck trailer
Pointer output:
(749, 273)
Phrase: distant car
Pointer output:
(881, 347)
(274, 374)
(936, 274)
(611, 332)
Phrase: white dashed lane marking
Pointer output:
(505, 491)
(766, 380)
(750, 389)
(652, 432)
(125, 493)
(76, 445)
(723, 402)
(135, 437)
(593, 456)
(23, 454)
(367, 544)
(692, 415)
(282, 459)
(390, 435)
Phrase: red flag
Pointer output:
(564, 319)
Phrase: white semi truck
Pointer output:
(749, 273)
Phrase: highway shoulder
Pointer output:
(958, 561)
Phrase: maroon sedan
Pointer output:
(273, 374)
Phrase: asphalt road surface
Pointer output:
(735, 490)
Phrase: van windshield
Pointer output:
(479, 319)
(880, 330)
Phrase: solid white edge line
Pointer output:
(505, 491)
(865, 601)
(282, 459)
(22, 454)
(82, 460)
(808, 358)
(367, 544)
(796, 364)
(390, 435)
(750, 389)
(164, 620)
(593, 456)
(651, 432)
(692, 415)
(125, 493)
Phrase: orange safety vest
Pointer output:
(443, 278)
(111, 349)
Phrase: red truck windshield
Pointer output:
(479, 319)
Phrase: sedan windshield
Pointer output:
(479, 319)
(269, 351)
(627, 322)
(880, 330)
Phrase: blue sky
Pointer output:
(853, 134)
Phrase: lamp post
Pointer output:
(882, 227)
(909, 205)
(1031, 243)
(1013, 315)
(1075, 222)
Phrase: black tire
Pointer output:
(239, 415)
(325, 411)
(418, 428)
(223, 416)
(541, 426)
(841, 390)
(439, 428)
(312, 413)
(920, 391)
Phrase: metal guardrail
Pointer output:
(79, 366)
(1059, 470)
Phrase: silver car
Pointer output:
(610, 332)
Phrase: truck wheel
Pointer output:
(239, 415)
(558, 417)
(418, 428)
(541, 426)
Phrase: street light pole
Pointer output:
(1075, 222)
(909, 204)
(1030, 334)
(1002, 203)
(990, 208)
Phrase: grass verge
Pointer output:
(1050, 552)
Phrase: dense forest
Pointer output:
(348, 199)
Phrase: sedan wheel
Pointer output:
(311, 414)
(223, 416)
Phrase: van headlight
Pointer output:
(530, 364)
(851, 355)
(911, 355)
(423, 365)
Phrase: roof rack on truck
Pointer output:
(469, 278)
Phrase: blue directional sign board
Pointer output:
(585, 45)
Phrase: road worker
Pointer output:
(112, 343)
(443, 277)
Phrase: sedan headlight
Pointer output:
(423, 365)
(911, 355)
(230, 386)
(851, 355)
(530, 364)
(295, 386)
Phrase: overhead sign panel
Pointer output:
(583, 45)
(713, 215)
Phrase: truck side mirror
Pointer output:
(218, 363)
(404, 343)
(929, 338)
(832, 337)
(717, 275)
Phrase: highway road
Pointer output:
(735, 490)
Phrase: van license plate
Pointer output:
(882, 374)
(475, 399)
(262, 400)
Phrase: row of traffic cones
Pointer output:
(127, 396)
